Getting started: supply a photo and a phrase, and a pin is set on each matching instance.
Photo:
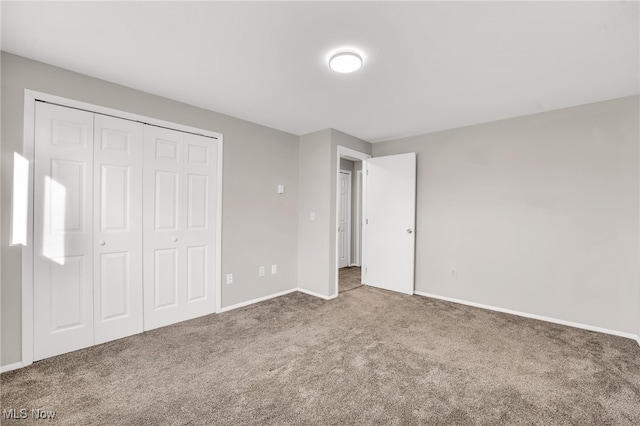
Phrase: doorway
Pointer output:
(349, 199)
(388, 204)
(344, 214)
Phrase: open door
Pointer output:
(389, 222)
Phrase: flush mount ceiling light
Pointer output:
(345, 62)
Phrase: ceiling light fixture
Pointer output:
(345, 62)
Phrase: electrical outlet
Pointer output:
(229, 278)
(274, 269)
(312, 216)
(261, 271)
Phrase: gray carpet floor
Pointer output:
(349, 278)
(368, 357)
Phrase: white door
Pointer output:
(199, 227)
(179, 226)
(389, 242)
(117, 216)
(63, 224)
(344, 220)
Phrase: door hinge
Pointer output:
(367, 172)
(366, 221)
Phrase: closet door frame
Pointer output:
(30, 99)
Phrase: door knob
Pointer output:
(102, 243)
(409, 231)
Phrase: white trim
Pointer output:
(363, 213)
(273, 296)
(10, 367)
(533, 316)
(314, 294)
(220, 174)
(342, 151)
(30, 98)
(257, 300)
(350, 174)
(71, 103)
(28, 147)
(358, 240)
(351, 154)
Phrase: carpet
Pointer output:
(368, 357)
(349, 278)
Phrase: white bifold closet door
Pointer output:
(179, 230)
(88, 229)
(117, 212)
(63, 227)
(99, 273)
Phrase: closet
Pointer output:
(124, 228)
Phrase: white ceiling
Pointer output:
(428, 65)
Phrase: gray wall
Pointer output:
(537, 214)
(259, 227)
(318, 179)
(313, 236)
(346, 165)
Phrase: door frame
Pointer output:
(348, 153)
(30, 99)
(350, 174)
(358, 219)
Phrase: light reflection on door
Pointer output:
(53, 229)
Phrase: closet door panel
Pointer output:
(118, 234)
(200, 230)
(124, 228)
(165, 278)
(165, 270)
(115, 286)
(63, 224)
(179, 234)
(197, 274)
(167, 200)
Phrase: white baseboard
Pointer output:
(259, 299)
(314, 294)
(533, 316)
(272, 296)
(10, 367)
